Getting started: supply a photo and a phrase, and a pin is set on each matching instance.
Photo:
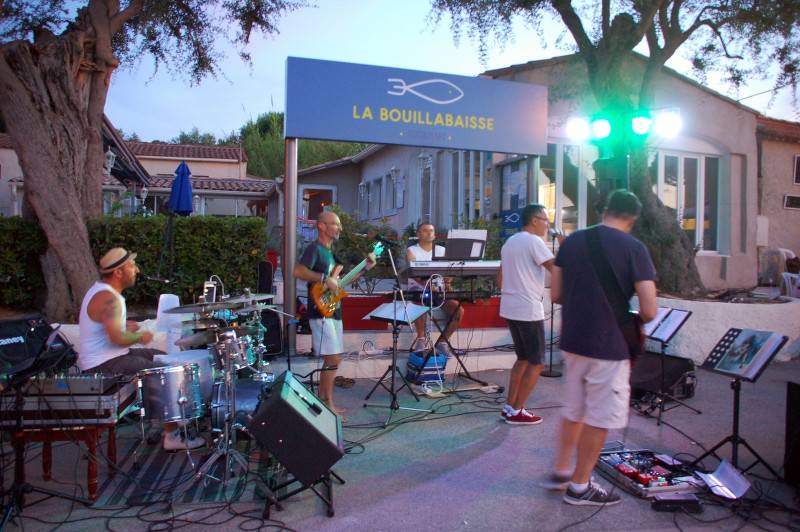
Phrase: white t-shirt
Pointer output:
(521, 260)
(421, 254)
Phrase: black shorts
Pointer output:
(134, 361)
(528, 337)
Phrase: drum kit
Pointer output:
(207, 381)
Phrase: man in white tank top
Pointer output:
(423, 250)
(106, 335)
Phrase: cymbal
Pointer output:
(254, 308)
(200, 307)
(200, 323)
(199, 338)
(244, 298)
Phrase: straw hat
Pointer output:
(114, 259)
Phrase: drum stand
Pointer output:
(226, 443)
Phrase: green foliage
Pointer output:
(193, 136)
(263, 141)
(21, 244)
(227, 247)
(352, 249)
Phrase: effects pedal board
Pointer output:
(647, 474)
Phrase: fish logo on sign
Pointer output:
(437, 90)
(512, 218)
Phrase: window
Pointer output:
(363, 201)
(425, 188)
(375, 192)
(797, 169)
(312, 200)
(389, 193)
(514, 185)
(111, 205)
(689, 185)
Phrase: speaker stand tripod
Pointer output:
(735, 440)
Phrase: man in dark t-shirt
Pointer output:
(596, 357)
(319, 265)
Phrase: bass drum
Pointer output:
(249, 394)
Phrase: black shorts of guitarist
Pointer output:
(528, 337)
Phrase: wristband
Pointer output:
(323, 278)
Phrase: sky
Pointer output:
(401, 34)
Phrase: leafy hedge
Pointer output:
(21, 244)
(227, 247)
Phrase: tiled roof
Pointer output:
(5, 141)
(775, 129)
(264, 186)
(186, 151)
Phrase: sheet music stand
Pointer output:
(662, 329)
(742, 354)
(398, 313)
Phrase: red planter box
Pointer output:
(356, 307)
(483, 314)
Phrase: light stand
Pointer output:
(549, 371)
(392, 369)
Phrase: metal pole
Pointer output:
(460, 191)
(482, 185)
(471, 178)
(290, 239)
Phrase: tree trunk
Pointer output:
(47, 94)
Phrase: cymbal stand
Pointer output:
(226, 442)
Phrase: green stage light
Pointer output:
(640, 124)
(578, 129)
(668, 124)
(601, 128)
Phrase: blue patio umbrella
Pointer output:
(180, 198)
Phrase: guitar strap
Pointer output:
(608, 281)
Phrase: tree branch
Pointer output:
(646, 17)
(606, 14)
(573, 23)
(121, 17)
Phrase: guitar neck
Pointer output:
(347, 279)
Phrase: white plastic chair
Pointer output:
(169, 323)
(791, 284)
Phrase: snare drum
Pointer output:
(171, 393)
(249, 394)
(207, 373)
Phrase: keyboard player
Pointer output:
(423, 250)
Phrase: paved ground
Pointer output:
(460, 468)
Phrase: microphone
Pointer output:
(154, 279)
(362, 235)
(554, 232)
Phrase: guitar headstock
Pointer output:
(378, 248)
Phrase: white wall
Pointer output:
(9, 168)
(777, 180)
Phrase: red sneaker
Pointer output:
(523, 418)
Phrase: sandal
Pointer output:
(344, 382)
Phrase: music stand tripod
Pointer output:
(401, 314)
(549, 371)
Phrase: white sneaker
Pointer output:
(420, 344)
(175, 441)
(443, 347)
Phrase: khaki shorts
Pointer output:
(597, 391)
(326, 336)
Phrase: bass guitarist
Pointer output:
(319, 265)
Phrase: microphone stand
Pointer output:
(549, 371)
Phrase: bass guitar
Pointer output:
(325, 299)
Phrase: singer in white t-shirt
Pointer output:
(423, 250)
(523, 261)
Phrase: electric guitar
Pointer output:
(325, 299)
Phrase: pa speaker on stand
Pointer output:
(303, 434)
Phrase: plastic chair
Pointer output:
(169, 323)
(791, 284)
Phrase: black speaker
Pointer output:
(679, 376)
(791, 453)
(273, 337)
(298, 429)
(30, 345)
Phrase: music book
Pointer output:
(406, 315)
(744, 353)
(666, 324)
